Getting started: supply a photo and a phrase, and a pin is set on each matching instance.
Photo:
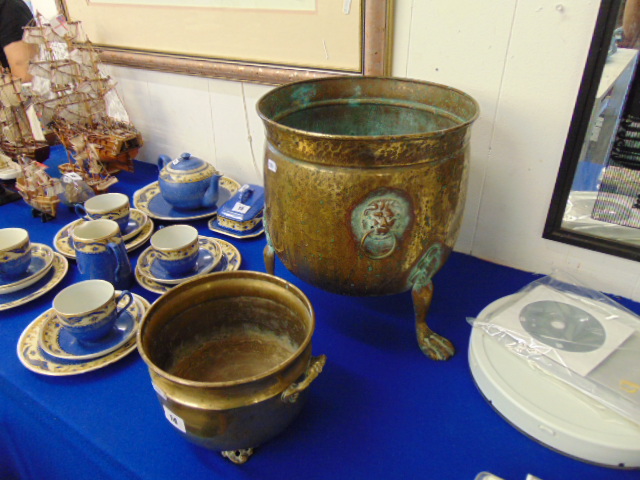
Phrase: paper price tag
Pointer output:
(271, 165)
(240, 208)
(71, 177)
(175, 420)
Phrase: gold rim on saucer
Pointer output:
(147, 257)
(48, 337)
(142, 199)
(38, 250)
(60, 265)
(29, 354)
(230, 255)
(61, 241)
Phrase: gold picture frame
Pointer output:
(373, 45)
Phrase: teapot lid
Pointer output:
(187, 163)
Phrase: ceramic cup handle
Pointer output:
(118, 257)
(81, 212)
(129, 295)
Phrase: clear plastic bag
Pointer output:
(74, 189)
(576, 334)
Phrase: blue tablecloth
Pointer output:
(380, 409)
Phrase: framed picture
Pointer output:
(263, 41)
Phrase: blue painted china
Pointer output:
(101, 253)
(108, 206)
(41, 261)
(53, 276)
(176, 249)
(209, 255)
(63, 244)
(118, 335)
(137, 221)
(58, 345)
(15, 253)
(230, 261)
(31, 355)
(88, 310)
(188, 182)
(149, 200)
(241, 215)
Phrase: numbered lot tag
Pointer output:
(175, 420)
(240, 208)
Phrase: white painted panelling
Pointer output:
(253, 93)
(541, 78)
(463, 45)
(230, 113)
(179, 116)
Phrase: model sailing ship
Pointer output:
(21, 129)
(79, 102)
(38, 189)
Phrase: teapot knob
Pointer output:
(185, 156)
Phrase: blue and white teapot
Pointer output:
(188, 182)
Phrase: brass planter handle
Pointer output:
(316, 364)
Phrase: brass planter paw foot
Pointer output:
(432, 345)
(238, 456)
(435, 346)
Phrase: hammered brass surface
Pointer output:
(312, 234)
(222, 348)
(336, 143)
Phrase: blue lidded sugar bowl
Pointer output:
(188, 182)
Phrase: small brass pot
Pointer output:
(229, 356)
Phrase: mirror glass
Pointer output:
(596, 202)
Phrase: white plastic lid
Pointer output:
(547, 410)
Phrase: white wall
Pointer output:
(521, 59)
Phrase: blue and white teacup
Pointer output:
(15, 252)
(108, 206)
(176, 248)
(88, 310)
(101, 253)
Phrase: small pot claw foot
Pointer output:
(269, 259)
(238, 456)
(432, 345)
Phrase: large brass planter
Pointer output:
(365, 182)
(229, 356)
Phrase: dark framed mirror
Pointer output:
(596, 200)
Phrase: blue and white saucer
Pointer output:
(31, 356)
(58, 345)
(229, 261)
(51, 278)
(149, 200)
(41, 261)
(209, 256)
